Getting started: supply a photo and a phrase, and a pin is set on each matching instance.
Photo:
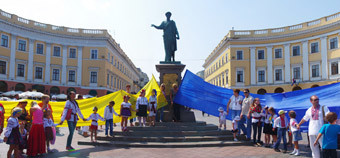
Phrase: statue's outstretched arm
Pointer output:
(161, 26)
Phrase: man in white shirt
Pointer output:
(247, 101)
(315, 115)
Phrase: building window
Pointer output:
(71, 76)
(226, 58)
(278, 53)
(112, 59)
(315, 70)
(239, 74)
(4, 40)
(94, 54)
(73, 53)
(40, 48)
(261, 76)
(108, 57)
(239, 55)
(56, 51)
(296, 50)
(334, 68)
(260, 54)
(296, 73)
(333, 43)
(111, 81)
(314, 47)
(222, 60)
(115, 83)
(38, 72)
(55, 75)
(22, 45)
(93, 78)
(118, 65)
(108, 79)
(21, 70)
(278, 75)
(2, 67)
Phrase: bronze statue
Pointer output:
(170, 35)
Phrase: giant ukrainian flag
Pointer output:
(86, 105)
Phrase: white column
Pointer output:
(12, 57)
(324, 66)
(305, 64)
(48, 63)
(64, 63)
(287, 62)
(30, 61)
(80, 65)
(270, 64)
(252, 66)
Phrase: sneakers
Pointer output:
(70, 148)
(277, 150)
(292, 153)
(297, 153)
(235, 139)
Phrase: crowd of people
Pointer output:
(322, 129)
(35, 130)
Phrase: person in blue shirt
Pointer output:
(330, 136)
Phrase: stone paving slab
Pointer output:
(205, 152)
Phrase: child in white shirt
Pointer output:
(94, 124)
(222, 118)
(235, 126)
(295, 132)
(48, 124)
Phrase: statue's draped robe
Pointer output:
(170, 44)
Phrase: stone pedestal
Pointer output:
(171, 73)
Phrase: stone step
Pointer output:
(170, 139)
(174, 124)
(174, 128)
(165, 144)
(173, 133)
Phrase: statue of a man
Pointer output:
(170, 35)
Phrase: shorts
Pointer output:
(222, 121)
(297, 136)
(268, 129)
(274, 132)
(234, 131)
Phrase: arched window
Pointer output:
(315, 86)
(296, 88)
(38, 88)
(20, 87)
(261, 91)
(71, 89)
(279, 90)
(3, 86)
(93, 92)
(54, 90)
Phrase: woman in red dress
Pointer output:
(36, 140)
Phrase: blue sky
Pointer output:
(201, 23)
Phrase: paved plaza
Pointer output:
(206, 152)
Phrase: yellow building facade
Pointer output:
(269, 60)
(54, 59)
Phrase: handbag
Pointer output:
(68, 115)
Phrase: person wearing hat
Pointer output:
(94, 124)
(12, 133)
(222, 118)
(235, 126)
(108, 116)
(282, 124)
(142, 107)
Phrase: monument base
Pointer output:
(170, 73)
(170, 62)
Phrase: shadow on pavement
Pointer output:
(81, 153)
